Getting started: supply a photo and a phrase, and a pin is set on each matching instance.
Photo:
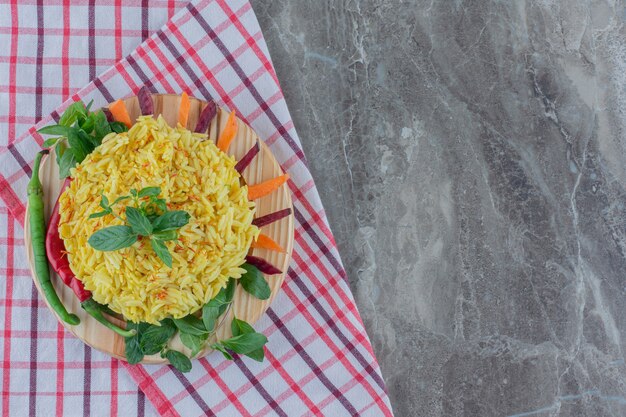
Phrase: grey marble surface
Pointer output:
(471, 156)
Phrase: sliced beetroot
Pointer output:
(263, 265)
(108, 115)
(271, 218)
(248, 157)
(207, 115)
(145, 101)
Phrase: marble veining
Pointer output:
(471, 156)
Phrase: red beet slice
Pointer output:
(271, 218)
(108, 115)
(207, 115)
(145, 101)
(263, 265)
(247, 158)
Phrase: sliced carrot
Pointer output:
(266, 242)
(229, 132)
(183, 110)
(120, 113)
(266, 187)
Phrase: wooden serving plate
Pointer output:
(244, 306)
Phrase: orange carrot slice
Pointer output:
(183, 110)
(266, 187)
(120, 113)
(229, 132)
(266, 242)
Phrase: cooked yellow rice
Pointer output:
(195, 176)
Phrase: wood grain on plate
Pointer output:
(262, 168)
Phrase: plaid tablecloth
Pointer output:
(319, 359)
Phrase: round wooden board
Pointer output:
(245, 307)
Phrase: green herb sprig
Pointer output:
(151, 339)
(78, 132)
(148, 218)
(245, 341)
(218, 305)
(253, 282)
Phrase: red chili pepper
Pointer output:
(55, 248)
(57, 257)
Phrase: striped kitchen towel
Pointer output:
(319, 359)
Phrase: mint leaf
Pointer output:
(133, 351)
(87, 139)
(100, 214)
(104, 202)
(138, 221)
(165, 236)
(87, 124)
(161, 250)
(218, 305)
(257, 354)
(240, 327)
(59, 149)
(155, 206)
(71, 114)
(101, 126)
(141, 220)
(122, 198)
(210, 313)
(54, 130)
(159, 203)
(178, 360)
(134, 354)
(149, 191)
(227, 295)
(112, 238)
(78, 147)
(84, 131)
(66, 162)
(254, 283)
(193, 342)
(221, 348)
(118, 127)
(171, 220)
(49, 143)
(191, 325)
(153, 339)
(245, 343)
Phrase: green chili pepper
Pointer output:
(38, 236)
(95, 310)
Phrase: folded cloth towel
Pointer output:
(319, 359)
